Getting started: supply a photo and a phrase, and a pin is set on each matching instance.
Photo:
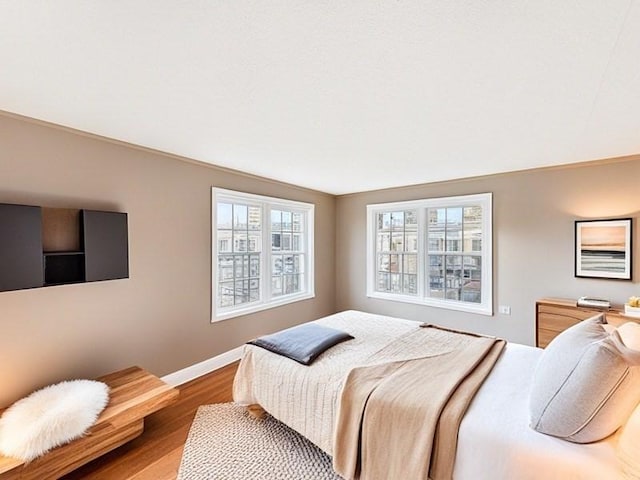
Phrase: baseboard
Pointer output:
(194, 371)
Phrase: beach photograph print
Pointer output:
(603, 249)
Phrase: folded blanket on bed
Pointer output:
(400, 419)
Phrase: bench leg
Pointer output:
(256, 411)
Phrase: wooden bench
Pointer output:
(135, 393)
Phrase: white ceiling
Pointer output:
(332, 95)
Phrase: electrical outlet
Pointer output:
(504, 309)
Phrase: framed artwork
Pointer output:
(603, 249)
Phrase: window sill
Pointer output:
(259, 306)
(430, 302)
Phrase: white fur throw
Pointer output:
(51, 417)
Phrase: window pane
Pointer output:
(276, 241)
(436, 229)
(225, 294)
(238, 267)
(454, 229)
(454, 217)
(473, 215)
(245, 266)
(397, 242)
(397, 221)
(472, 283)
(437, 217)
(297, 242)
(224, 215)
(394, 264)
(276, 220)
(276, 265)
(255, 242)
(452, 294)
(411, 242)
(240, 242)
(289, 266)
(436, 276)
(454, 277)
(241, 292)
(383, 244)
(296, 264)
(383, 282)
(276, 286)
(225, 267)
(386, 221)
(411, 220)
(435, 244)
(297, 222)
(286, 221)
(254, 295)
(472, 229)
(240, 217)
(291, 284)
(453, 244)
(286, 241)
(410, 284)
(396, 283)
(410, 264)
(255, 218)
(225, 241)
(383, 263)
(254, 266)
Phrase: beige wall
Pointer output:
(159, 318)
(533, 228)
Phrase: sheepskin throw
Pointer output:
(51, 417)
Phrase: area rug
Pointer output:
(227, 443)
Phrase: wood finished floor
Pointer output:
(156, 454)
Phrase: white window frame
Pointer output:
(483, 200)
(266, 300)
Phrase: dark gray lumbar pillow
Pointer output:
(303, 343)
(586, 384)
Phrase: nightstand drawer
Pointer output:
(556, 322)
(545, 337)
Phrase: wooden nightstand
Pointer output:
(554, 315)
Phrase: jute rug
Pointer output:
(226, 443)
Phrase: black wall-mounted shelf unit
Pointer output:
(41, 247)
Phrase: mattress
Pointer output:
(495, 441)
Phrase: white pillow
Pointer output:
(586, 384)
(630, 335)
(51, 417)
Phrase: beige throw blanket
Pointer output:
(400, 419)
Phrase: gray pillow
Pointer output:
(303, 343)
(586, 384)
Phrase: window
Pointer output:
(262, 252)
(434, 252)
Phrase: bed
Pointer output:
(494, 441)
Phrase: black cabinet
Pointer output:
(53, 246)
(106, 252)
(20, 247)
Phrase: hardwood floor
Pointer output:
(156, 454)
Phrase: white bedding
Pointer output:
(495, 442)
